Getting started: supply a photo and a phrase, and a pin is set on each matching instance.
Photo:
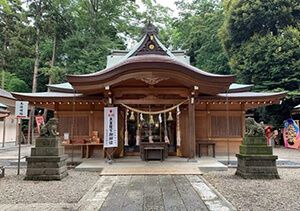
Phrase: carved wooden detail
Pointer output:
(152, 80)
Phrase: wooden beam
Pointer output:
(120, 91)
(148, 101)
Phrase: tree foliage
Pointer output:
(197, 30)
(256, 39)
(262, 39)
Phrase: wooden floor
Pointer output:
(151, 170)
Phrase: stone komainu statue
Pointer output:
(50, 128)
(253, 128)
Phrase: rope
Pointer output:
(154, 112)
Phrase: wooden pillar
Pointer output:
(4, 128)
(243, 120)
(191, 126)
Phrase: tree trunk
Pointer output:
(37, 60)
(3, 58)
(52, 63)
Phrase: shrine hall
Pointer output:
(165, 106)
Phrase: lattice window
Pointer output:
(81, 125)
(219, 126)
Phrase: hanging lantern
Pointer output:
(132, 116)
(170, 118)
(151, 121)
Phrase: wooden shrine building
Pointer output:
(161, 99)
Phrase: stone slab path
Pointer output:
(141, 193)
(155, 192)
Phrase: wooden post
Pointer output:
(191, 121)
(19, 147)
(29, 140)
(4, 128)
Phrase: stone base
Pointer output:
(42, 177)
(46, 167)
(257, 166)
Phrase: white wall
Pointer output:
(10, 129)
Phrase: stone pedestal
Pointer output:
(256, 159)
(47, 160)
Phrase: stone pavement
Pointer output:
(140, 192)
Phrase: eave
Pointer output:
(156, 65)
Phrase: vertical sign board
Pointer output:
(21, 112)
(110, 127)
(21, 109)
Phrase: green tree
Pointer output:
(9, 16)
(12, 83)
(17, 85)
(197, 30)
(95, 34)
(247, 18)
(261, 39)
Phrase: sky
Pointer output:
(167, 3)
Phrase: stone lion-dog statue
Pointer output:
(50, 128)
(253, 128)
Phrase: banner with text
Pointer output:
(110, 127)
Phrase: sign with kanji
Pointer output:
(110, 127)
(21, 109)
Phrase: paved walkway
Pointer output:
(145, 193)
(163, 192)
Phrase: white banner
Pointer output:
(21, 109)
(110, 127)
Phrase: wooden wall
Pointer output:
(211, 125)
(84, 118)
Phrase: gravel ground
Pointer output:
(259, 195)
(69, 190)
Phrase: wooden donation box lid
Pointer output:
(153, 151)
